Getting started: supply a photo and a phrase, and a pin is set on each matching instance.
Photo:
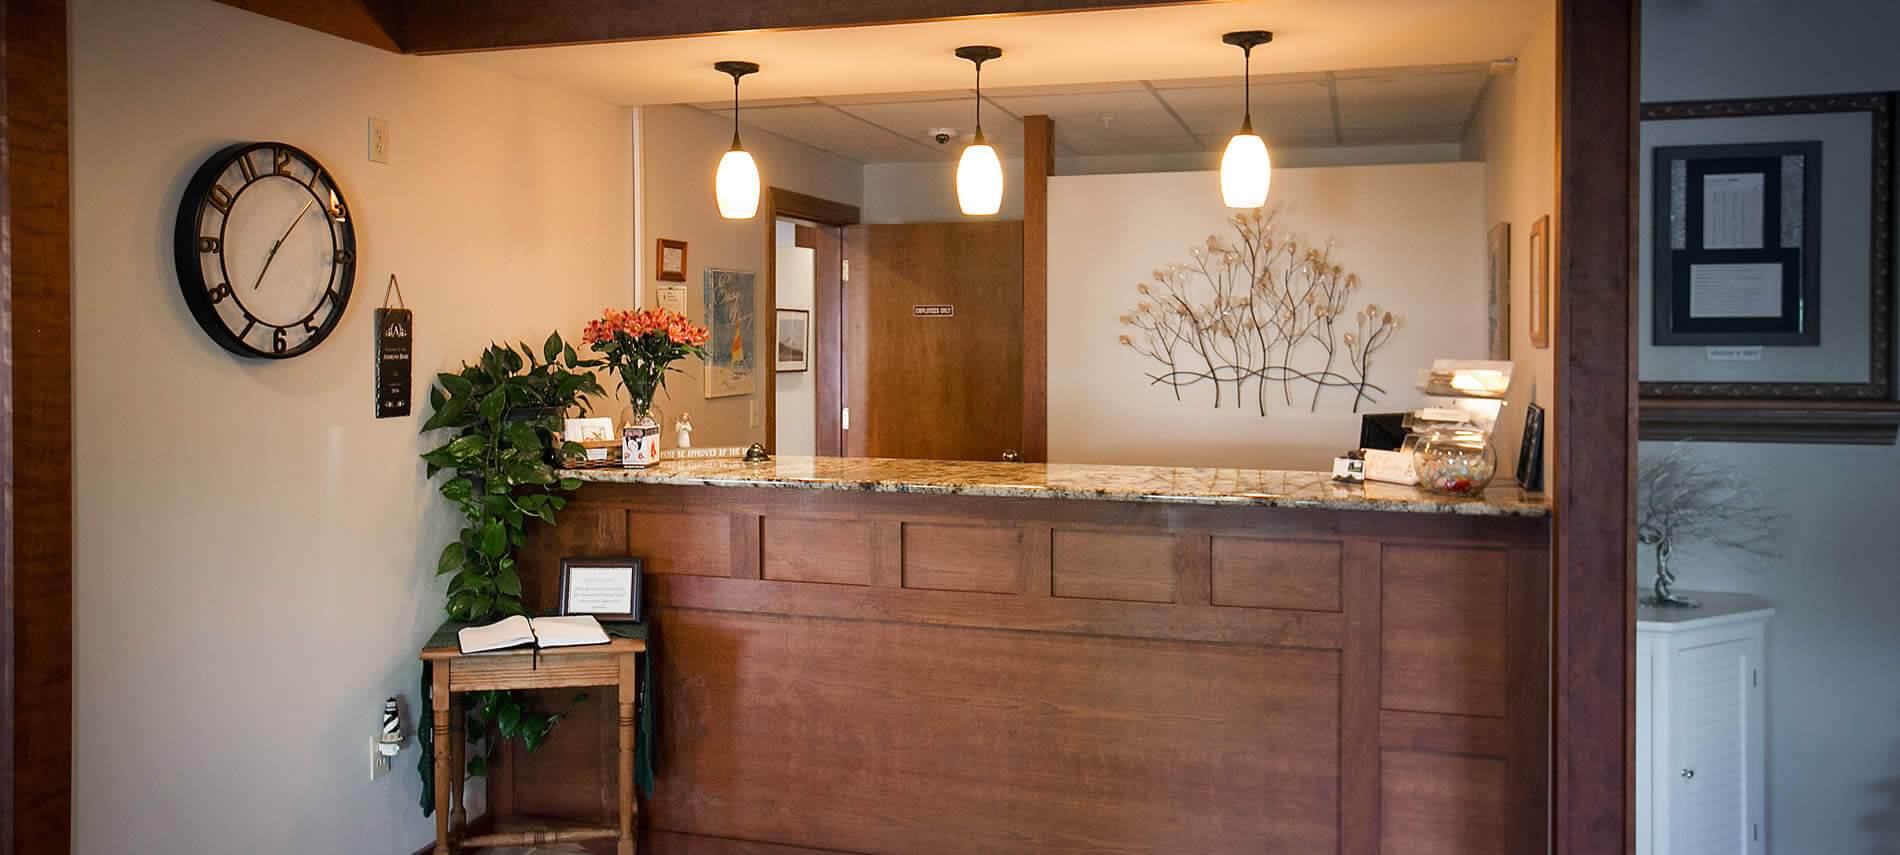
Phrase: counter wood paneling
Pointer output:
(906, 668)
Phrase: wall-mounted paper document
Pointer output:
(1735, 290)
(1732, 211)
(671, 298)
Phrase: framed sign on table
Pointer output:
(1766, 242)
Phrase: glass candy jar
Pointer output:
(1456, 460)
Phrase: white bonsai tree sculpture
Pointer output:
(1682, 497)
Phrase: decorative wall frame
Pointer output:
(1498, 286)
(1744, 131)
(1540, 282)
(669, 260)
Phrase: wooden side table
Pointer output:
(454, 673)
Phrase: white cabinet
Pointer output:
(1700, 745)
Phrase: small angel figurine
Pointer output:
(683, 428)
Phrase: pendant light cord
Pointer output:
(1246, 87)
(979, 102)
(735, 112)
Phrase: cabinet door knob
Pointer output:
(1688, 773)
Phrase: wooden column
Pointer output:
(1594, 426)
(36, 808)
(1039, 160)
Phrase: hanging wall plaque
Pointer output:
(395, 342)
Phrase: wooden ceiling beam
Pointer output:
(460, 26)
(377, 23)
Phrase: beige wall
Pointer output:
(1413, 234)
(253, 559)
(1515, 134)
(680, 149)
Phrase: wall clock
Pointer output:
(265, 249)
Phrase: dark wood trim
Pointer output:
(446, 26)
(1594, 427)
(1784, 421)
(1039, 160)
(377, 23)
(780, 202)
(1526, 735)
(39, 515)
(1361, 731)
(7, 645)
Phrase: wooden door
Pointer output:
(932, 340)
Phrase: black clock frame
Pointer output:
(188, 246)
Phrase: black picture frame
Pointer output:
(1799, 323)
(1530, 453)
(635, 567)
(1880, 382)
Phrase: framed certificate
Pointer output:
(607, 588)
(669, 261)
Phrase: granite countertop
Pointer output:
(1156, 484)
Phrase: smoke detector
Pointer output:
(942, 136)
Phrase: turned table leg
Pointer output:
(458, 765)
(627, 842)
(444, 780)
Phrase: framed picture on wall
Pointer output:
(1540, 282)
(1766, 248)
(669, 261)
(793, 340)
(1498, 272)
(732, 350)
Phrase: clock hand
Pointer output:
(280, 242)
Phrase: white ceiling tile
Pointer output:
(1408, 100)
(1178, 142)
(825, 129)
(915, 119)
(1403, 136)
(1278, 108)
(1104, 115)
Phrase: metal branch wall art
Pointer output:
(1262, 317)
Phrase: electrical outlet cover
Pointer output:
(378, 140)
(378, 763)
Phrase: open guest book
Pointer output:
(518, 631)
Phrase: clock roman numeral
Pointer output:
(345, 256)
(210, 244)
(245, 166)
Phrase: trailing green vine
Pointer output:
(505, 412)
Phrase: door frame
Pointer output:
(827, 314)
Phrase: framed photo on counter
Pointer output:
(607, 588)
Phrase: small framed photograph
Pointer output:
(607, 588)
(1499, 285)
(669, 263)
(1540, 282)
(794, 340)
(1530, 453)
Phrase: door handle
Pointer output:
(1688, 774)
(1012, 456)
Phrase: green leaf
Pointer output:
(551, 349)
(522, 435)
(467, 448)
(494, 539)
(457, 385)
(478, 766)
(569, 356)
(452, 558)
(437, 398)
(510, 606)
(447, 415)
(458, 489)
(570, 485)
(493, 404)
(508, 582)
(509, 719)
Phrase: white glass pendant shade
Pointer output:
(980, 180)
(737, 185)
(1245, 170)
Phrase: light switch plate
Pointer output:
(753, 412)
(378, 140)
(378, 762)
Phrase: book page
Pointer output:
(568, 631)
(512, 631)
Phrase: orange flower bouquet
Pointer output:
(642, 347)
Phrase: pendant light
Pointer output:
(979, 172)
(1245, 168)
(736, 185)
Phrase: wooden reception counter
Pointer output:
(923, 657)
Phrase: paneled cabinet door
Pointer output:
(1717, 708)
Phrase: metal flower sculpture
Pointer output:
(1682, 497)
(1260, 315)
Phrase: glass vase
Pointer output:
(1455, 461)
(640, 441)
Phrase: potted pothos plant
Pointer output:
(504, 412)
